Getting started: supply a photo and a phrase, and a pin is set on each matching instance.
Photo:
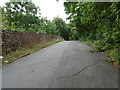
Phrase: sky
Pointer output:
(49, 8)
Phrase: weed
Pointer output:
(26, 50)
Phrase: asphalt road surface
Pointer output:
(68, 64)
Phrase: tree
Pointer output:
(61, 27)
(22, 15)
(95, 21)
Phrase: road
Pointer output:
(67, 64)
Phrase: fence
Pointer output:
(13, 40)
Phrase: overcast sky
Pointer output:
(49, 8)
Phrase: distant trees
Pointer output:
(56, 26)
(25, 16)
(61, 27)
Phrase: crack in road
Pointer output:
(84, 69)
(81, 71)
(75, 74)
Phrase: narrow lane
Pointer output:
(68, 64)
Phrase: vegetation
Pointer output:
(96, 22)
(25, 51)
(25, 16)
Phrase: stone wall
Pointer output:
(13, 40)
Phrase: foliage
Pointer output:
(61, 27)
(21, 15)
(96, 21)
(25, 16)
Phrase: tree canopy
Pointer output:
(22, 15)
(95, 21)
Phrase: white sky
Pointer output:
(49, 8)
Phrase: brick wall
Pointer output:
(13, 40)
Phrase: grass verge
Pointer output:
(12, 56)
(112, 54)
